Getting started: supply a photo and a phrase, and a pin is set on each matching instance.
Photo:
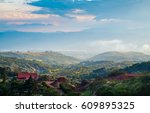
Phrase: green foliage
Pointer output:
(116, 73)
(135, 86)
(48, 91)
(67, 89)
(4, 89)
(86, 93)
(139, 68)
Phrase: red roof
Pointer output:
(26, 76)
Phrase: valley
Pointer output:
(110, 73)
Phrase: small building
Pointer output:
(26, 76)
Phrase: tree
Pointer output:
(3, 73)
(31, 87)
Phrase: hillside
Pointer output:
(24, 65)
(50, 58)
(143, 67)
(121, 57)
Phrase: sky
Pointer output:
(75, 26)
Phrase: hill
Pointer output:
(17, 65)
(49, 57)
(143, 67)
(121, 57)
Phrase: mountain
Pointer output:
(48, 57)
(121, 57)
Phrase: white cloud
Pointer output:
(109, 20)
(146, 48)
(18, 10)
(12, 7)
(78, 11)
(105, 42)
(82, 17)
(22, 16)
(88, 50)
(111, 45)
(17, 1)
(100, 46)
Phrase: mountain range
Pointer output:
(43, 61)
(56, 58)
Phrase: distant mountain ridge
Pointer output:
(48, 57)
(121, 57)
(56, 58)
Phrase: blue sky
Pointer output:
(81, 26)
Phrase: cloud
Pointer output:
(82, 17)
(50, 23)
(105, 42)
(146, 48)
(12, 7)
(18, 23)
(21, 16)
(99, 46)
(109, 20)
(78, 11)
(111, 45)
(17, 1)
(15, 11)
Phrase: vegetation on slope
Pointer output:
(121, 57)
(49, 57)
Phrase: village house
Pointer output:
(26, 76)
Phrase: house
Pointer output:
(26, 76)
